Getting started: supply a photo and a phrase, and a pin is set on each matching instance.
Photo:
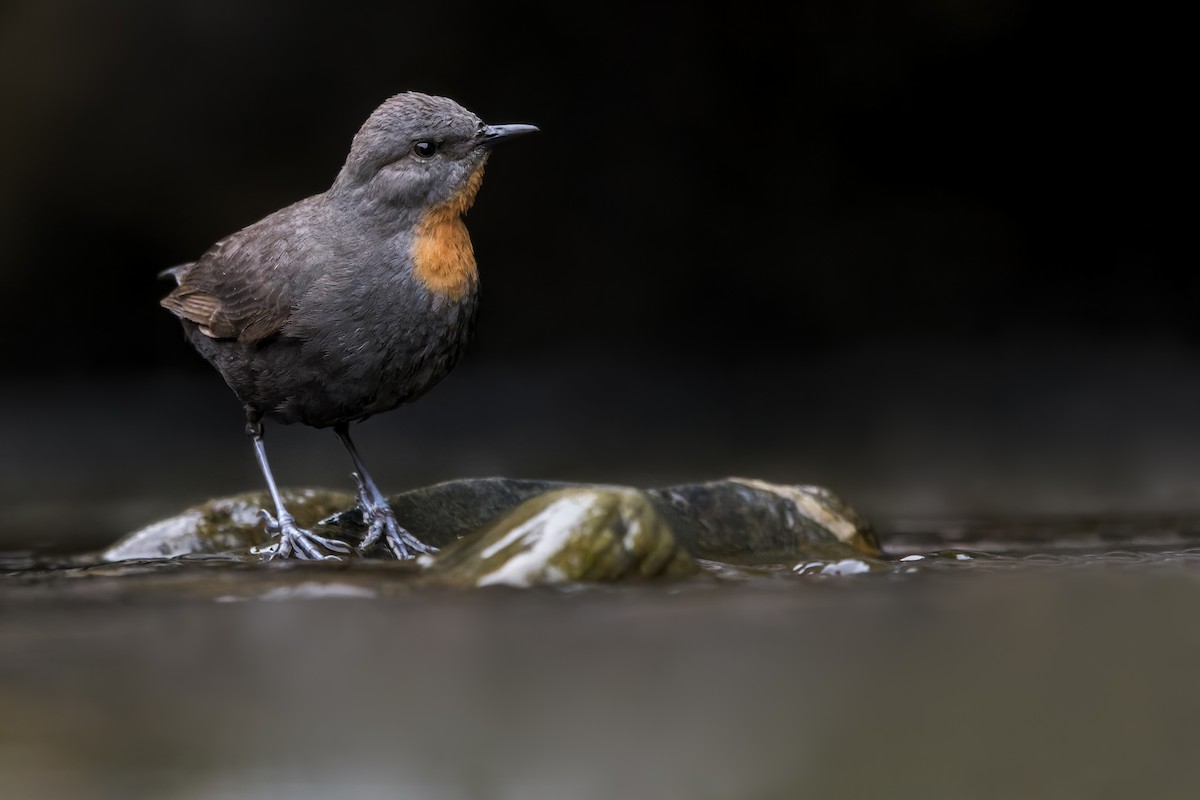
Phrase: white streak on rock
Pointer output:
(545, 534)
(633, 528)
(808, 503)
(150, 541)
(245, 514)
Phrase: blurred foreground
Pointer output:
(1068, 679)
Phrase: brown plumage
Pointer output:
(352, 302)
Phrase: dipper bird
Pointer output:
(351, 302)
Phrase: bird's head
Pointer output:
(418, 151)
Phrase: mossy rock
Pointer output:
(224, 525)
(569, 535)
(523, 532)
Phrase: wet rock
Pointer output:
(566, 536)
(445, 512)
(742, 520)
(521, 532)
(749, 521)
(224, 525)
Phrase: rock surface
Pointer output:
(224, 525)
(528, 532)
(566, 536)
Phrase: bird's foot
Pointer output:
(295, 542)
(381, 523)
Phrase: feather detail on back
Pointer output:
(259, 303)
(202, 309)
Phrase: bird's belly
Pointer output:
(370, 370)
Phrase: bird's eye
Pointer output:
(425, 149)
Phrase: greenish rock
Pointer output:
(570, 535)
(741, 520)
(749, 521)
(225, 525)
(526, 532)
(443, 513)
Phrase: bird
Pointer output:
(351, 302)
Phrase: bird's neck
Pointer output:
(365, 204)
(443, 258)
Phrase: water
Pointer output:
(1036, 668)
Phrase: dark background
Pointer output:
(923, 253)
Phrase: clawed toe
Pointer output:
(402, 543)
(295, 542)
(381, 523)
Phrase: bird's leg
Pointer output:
(377, 514)
(293, 541)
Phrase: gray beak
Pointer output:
(495, 133)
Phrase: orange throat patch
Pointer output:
(443, 258)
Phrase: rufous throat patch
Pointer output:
(443, 258)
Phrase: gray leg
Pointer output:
(293, 541)
(377, 514)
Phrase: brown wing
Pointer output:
(244, 286)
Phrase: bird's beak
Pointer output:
(495, 133)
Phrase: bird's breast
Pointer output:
(443, 258)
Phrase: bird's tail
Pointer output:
(175, 273)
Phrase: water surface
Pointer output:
(1033, 667)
